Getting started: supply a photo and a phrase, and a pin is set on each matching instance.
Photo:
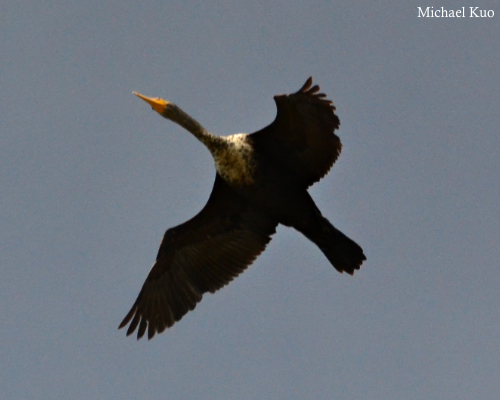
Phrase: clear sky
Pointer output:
(91, 178)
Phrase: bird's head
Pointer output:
(159, 105)
(172, 112)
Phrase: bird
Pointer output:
(261, 180)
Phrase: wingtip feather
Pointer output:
(306, 85)
(127, 318)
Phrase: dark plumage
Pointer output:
(261, 181)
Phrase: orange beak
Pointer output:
(157, 104)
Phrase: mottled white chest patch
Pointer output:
(235, 161)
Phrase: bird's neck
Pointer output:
(233, 155)
(213, 142)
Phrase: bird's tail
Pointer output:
(343, 253)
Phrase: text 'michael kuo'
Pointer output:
(474, 12)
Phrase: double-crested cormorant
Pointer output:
(261, 181)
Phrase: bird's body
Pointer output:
(261, 181)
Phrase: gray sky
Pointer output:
(91, 178)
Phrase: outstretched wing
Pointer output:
(302, 137)
(201, 255)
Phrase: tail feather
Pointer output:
(343, 253)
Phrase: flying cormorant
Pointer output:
(261, 181)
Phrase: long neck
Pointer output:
(211, 141)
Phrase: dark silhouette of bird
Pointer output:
(261, 181)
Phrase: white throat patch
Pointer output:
(235, 162)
